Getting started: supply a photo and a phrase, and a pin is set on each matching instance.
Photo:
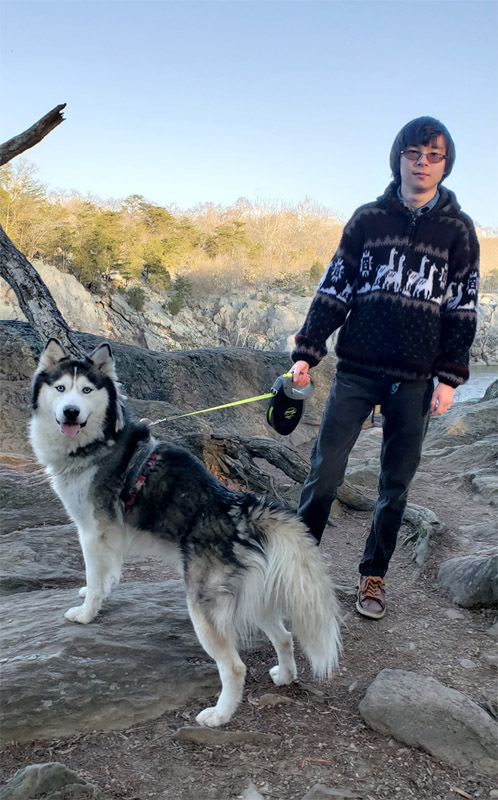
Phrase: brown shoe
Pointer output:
(371, 600)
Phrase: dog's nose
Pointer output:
(71, 413)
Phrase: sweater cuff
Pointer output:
(296, 355)
(450, 379)
(447, 382)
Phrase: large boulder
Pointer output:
(422, 712)
(138, 659)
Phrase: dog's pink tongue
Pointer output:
(70, 429)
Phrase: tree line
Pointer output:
(209, 248)
(140, 240)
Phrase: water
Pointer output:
(480, 378)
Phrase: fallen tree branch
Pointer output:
(23, 141)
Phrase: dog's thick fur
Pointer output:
(247, 562)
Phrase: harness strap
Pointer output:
(140, 482)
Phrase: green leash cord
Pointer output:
(215, 408)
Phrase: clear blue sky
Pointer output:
(188, 102)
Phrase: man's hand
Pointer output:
(441, 399)
(300, 373)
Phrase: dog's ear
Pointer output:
(53, 353)
(103, 360)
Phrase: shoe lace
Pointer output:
(372, 586)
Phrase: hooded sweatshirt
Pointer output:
(403, 289)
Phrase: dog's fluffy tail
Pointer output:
(297, 588)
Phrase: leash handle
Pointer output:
(292, 391)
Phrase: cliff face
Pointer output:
(256, 319)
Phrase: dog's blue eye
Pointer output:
(60, 388)
(86, 390)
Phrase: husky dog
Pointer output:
(247, 562)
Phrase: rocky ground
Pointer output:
(306, 740)
(311, 733)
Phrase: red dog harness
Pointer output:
(140, 482)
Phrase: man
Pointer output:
(402, 288)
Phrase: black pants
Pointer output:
(405, 407)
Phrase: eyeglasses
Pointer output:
(414, 155)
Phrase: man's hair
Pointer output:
(423, 130)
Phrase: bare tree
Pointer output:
(35, 299)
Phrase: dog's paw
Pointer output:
(212, 718)
(78, 614)
(281, 676)
(82, 592)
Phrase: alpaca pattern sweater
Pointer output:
(404, 289)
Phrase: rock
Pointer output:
(139, 658)
(81, 309)
(366, 474)
(251, 793)
(321, 792)
(493, 630)
(38, 558)
(491, 657)
(467, 663)
(464, 458)
(485, 346)
(485, 483)
(52, 781)
(215, 736)
(479, 537)
(270, 700)
(464, 423)
(491, 392)
(422, 712)
(452, 613)
(26, 497)
(472, 581)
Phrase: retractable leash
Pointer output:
(286, 406)
(284, 409)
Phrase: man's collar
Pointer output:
(423, 209)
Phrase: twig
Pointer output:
(456, 790)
